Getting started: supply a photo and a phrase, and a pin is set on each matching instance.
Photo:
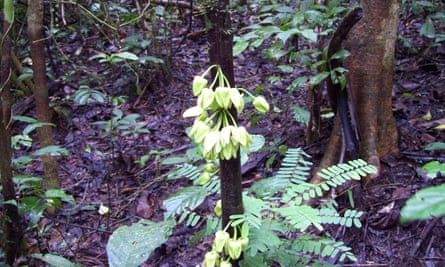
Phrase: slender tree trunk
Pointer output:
(12, 244)
(35, 30)
(220, 53)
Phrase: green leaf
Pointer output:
(318, 78)
(31, 127)
(425, 204)
(297, 83)
(433, 168)
(301, 217)
(239, 47)
(55, 260)
(428, 30)
(309, 34)
(301, 115)
(435, 146)
(126, 55)
(58, 193)
(54, 150)
(342, 54)
(130, 246)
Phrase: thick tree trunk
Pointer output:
(12, 243)
(220, 53)
(372, 45)
(35, 30)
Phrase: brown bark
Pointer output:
(12, 244)
(35, 30)
(372, 44)
(220, 53)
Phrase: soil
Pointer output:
(102, 170)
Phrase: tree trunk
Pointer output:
(220, 53)
(12, 244)
(35, 30)
(372, 45)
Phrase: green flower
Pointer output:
(210, 259)
(234, 248)
(193, 112)
(206, 98)
(225, 264)
(222, 96)
(237, 100)
(212, 145)
(221, 238)
(199, 83)
(199, 131)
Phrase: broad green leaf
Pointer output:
(435, 146)
(55, 260)
(130, 246)
(239, 47)
(58, 193)
(342, 54)
(428, 30)
(425, 204)
(309, 34)
(433, 168)
(318, 78)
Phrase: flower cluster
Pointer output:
(215, 128)
(223, 244)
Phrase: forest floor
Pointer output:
(99, 170)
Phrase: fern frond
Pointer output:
(186, 170)
(354, 169)
(323, 246)
(294, 167)
(331, 216)
(191, 216)
(300, 217)
(185, 200)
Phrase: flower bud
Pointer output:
(199, 83)
(204, 178)
(210, 167)
(218, 208)
(261, 104)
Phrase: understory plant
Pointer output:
(276, 226)
(429, 202)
